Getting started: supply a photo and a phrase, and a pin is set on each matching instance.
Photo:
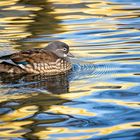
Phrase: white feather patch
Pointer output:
(22, 66)
(65, 55)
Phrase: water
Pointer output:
(99, 99)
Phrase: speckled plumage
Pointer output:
(38, 61)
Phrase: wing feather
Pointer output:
(31, 57)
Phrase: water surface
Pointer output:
(99, 99)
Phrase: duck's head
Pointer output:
(59, 48)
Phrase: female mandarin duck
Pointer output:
(51, 60)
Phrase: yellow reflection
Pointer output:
(104, 8)
(108, 85)
(119, 102)
(9, 97)
(101, 8)
(65, 1)
(19, 113)
(82, 88)
(10, 129)
(112, 129)
(12, 19)
(22, 8)
(77, 87)
(8, 2)
(94, 131)
(69, 110)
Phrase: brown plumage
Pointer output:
(51, 60)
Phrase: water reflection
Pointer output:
(53, 84)
(98, 100)
(27, 19)
(43, 21)
(19, 114)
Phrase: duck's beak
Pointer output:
(70, 55)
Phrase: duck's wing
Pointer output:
(30, 58)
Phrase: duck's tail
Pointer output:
(9, 68)
(5, 57)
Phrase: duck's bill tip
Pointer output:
(70, 55)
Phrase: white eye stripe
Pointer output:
(58, 49)
(64, 49)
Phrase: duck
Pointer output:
(50, 60)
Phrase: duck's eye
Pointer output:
(64, 49)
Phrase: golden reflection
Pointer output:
(119, 102)
(50, 131)
(88, 89)
(10, 129)
(9, 19)
(105, 85)
(104, 8)
(103, 14)
(22, 8)
(115, 128)
(65, 1)
(93, 131)
(103, 52)
(19, 113)
(96, 10)
(8, 2)
(100, 8)
(69, 110)
(23, 19)
(21, 117)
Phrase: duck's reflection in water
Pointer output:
(53, 84)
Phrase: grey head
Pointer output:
(59, 48)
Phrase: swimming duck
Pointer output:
(51, 60)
